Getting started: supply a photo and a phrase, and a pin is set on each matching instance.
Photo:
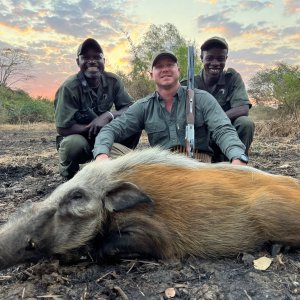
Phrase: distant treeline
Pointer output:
(18, 107)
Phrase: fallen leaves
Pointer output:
(262, 263)
(170, 293)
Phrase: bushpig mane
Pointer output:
(152, 156)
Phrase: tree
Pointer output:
(182, 56)
(15, 66)
(156, 38)
(281, 84)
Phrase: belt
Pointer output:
(201, 156)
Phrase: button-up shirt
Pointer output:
(167, 129)
(75, 95)
(229, 91)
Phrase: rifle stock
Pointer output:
(190, 106)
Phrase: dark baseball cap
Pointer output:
(161, 53)
(214, 40)
(87, 44)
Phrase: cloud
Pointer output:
(291, 6)
(254, 5)
(77, 18)
(220, 24)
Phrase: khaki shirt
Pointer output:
(168, 129)
(75, 94)
(229, 91)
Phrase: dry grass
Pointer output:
(277, 128)
(28, 126)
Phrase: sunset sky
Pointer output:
(259, 33)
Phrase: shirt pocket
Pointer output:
(157, 133)
(223, 99)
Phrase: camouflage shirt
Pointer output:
(75, 95)
(167, 129)
(229, 91)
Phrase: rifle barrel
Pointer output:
(190, 105)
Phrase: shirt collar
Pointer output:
(84, 84)
(179, 93)
(221, 81)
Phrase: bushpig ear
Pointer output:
(76, 203)
(125, 195)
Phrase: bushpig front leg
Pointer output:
(136, 235)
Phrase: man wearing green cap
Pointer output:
(163, 116)
(83, 105)
(228, 88)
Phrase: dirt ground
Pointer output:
(28, 170)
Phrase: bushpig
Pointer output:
(160, 204)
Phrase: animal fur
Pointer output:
(160, 204)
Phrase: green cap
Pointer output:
(214, 40)
(160, 54)
(87, 44)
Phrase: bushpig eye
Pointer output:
(31, 245)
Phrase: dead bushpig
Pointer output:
(160, 204)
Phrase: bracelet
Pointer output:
(112, 116)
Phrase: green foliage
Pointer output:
(181, 53)
(156, 38)
(18, 107)
(280, 84)
(138, 86)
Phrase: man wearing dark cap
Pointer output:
(83, 105)
(228, 88)
(163, 116)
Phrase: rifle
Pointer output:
(190, 106)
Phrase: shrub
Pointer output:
(19, 107)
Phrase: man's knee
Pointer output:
(74, 146)
(244, 124)
(118, 150)
(132, 141)
(245, 128)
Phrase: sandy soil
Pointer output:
(28, 170)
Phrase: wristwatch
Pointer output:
(243, 158)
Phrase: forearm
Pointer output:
(118, 130)
(74, 129)
(228, 141)
(104, 141)
(223, 132)
(236, 112)
(119, 112)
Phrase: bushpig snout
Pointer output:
(63, 221)
(24, 238)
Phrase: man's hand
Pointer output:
(96, 125)
(238, 162)
(102, 157)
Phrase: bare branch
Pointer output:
(15, 66)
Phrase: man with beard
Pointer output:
(163, 116)
(228, 88)
(83, 105)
